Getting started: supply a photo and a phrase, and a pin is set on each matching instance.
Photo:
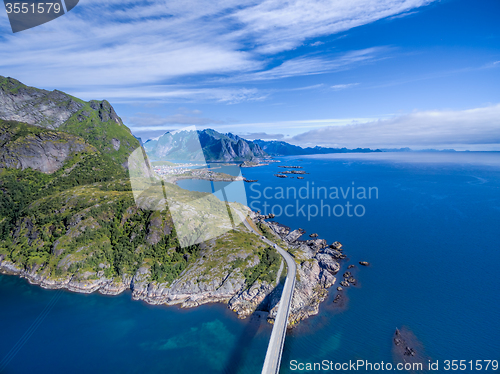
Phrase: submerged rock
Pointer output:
(407, 348)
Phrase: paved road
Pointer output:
(278, 275)
(275, 348)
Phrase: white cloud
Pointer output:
(157, 93)
(479, 127)
(279, 25)
(402, 15)
(339, 87)
(151, 120)
(120, 44)
(306, 65)
(291, 127)
(261, 135)
(305, 88)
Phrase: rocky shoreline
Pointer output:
(317, 265)
(257, 163)
(208, 176)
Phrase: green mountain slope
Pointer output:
(74, 214)
(68, 216)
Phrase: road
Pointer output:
(275, 348)
(278, 275)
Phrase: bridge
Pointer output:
(275, 348)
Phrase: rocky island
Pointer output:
(256, 163)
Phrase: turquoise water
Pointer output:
(432, 238)
(113, 334)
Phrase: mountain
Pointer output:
(185, 145)
(96, 122)
(67, 210)
(406, 149)
(70, 219)
(280, 148)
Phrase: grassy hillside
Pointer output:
(98, 124)
(67, 209)
(82, 220)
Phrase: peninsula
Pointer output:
(68, 219)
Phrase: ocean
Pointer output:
(429, 229)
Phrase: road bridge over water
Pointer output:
(275, 348)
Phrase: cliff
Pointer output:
(25, 146)
(235, 268)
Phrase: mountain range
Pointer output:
(281, 148)
(215, 146)
(185, 146)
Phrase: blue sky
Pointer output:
(367, 73)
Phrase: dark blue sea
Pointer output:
(431, 232)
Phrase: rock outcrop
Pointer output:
(316, 270)
(294, 235)
(407, 348)
(45, 150)
(106, 111)
(49, 109)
